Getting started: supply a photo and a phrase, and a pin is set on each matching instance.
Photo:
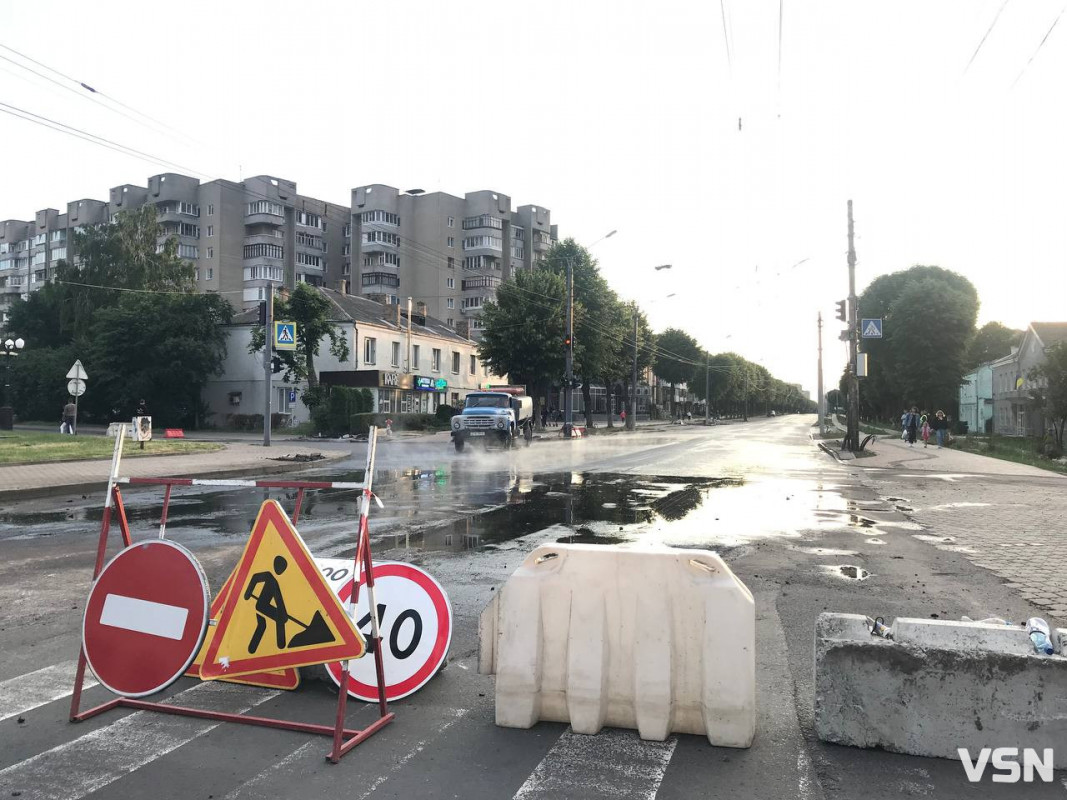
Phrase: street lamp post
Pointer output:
(7, 414)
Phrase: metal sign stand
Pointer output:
(344, 739)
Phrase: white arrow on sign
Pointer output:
(78, 371)
(75, 387)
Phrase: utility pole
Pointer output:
(822, 410)
(631, 414)
(707, 388)
(852, 436)
(744, 412)
(268, 351)
(568, 398)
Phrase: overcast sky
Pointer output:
(614, 115)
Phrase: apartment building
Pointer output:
(448, 252)
(235, 234)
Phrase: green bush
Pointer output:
(445, 413)
(360, 423)
(332, 416)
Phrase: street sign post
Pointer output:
(77, 371)
(871, 328)
(78, 376)
(415, 619)
(145, 618)
(75, 387)
(280, 611)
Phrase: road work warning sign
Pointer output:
(279, 612)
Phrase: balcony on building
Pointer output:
(483, 244)
(266, 254)
(542, 241)
(379, 283)
(375, 241)
(481, 283)
(176, 211)
(264, 212)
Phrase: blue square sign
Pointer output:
(292, 395)
(871, 328)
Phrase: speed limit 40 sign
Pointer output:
(415, 621)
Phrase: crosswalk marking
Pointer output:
(72, 770)
(35, 689)
(612, 764)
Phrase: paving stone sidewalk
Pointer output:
(233, 459)
(1005, 517)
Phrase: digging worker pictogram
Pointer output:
(269, 604)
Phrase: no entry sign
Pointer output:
(145, 618)
(415, 620)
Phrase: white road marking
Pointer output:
(612, 764)
(414, 751)
(72, 770)
(254, 787)
(144, 616)
(39, 688)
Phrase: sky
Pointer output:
(723, 138)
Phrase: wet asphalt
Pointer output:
(801, 530)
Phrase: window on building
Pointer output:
(59, 235)
(451, 241)
(451, 262)
(308, 220)
(383, 237)
(451, 303)
(211, 252)
(378, 216)
(451, 283)
(395, 360)
(474, 365)
(210, 273)
(435, 360)
(188, 251)
(370, 350)
(484, 221)
(210, 209)
(455, 363)
(451, 222)
(59, 252)
(265, 207)
(487, 242)
(189, 209)
(309, 260)
(210, 230)
(414, 356)
(451, 322)
(263, 250)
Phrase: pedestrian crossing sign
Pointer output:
(285, 336)
(280, 611)
(871, 328)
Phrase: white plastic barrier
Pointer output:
(657, 639)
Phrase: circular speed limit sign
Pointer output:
(415, 620)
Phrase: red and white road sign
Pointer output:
(415, 620)
(145, 618)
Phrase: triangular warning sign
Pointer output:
(279, 612)
(872, 329)
(288, 678)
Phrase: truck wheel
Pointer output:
(507, 441)
(459, 445)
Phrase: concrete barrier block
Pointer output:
(657, 639)
(938, 686)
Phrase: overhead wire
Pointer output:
(1038, 50)
(989, 30)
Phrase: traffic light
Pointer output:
(842, 310)
(276, 364)
(262, 312)
(566, 341)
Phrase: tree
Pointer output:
(523, 333)
(992, 341)
(676, 355)
(313, 313)
(595, 339)
(929, 315)
(1051, 394)
(160, 348)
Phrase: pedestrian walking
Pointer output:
(622, 416)
(70, 413)
(911, 422)
(924, 429)
(544, 416)
(904, 426)
(940, 427)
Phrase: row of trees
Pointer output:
(525, 329)
(929, 341)
(128, 310)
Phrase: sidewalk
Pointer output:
(1008, 518)
(64, 477)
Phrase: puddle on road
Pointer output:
(846, 571)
